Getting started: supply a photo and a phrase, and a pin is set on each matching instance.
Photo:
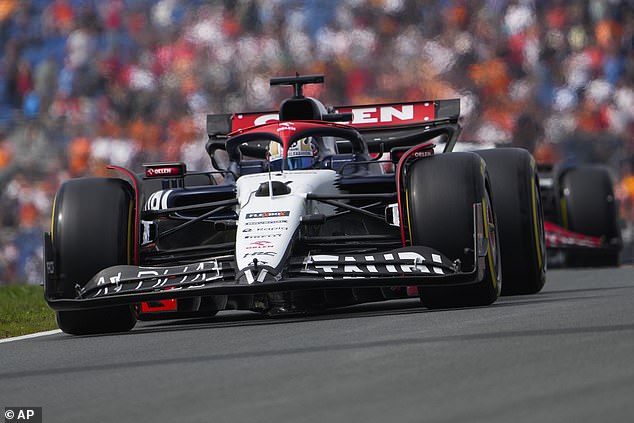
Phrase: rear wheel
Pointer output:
(92, 224)
(518, 209)
(440, 197)
(588, 207)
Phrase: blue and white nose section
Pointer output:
(265, 234)
(271, 207)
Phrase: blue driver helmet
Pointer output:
(302, 154)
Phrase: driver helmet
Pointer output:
(302, 154)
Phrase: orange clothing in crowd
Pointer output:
(63, 14)
(78, 155)
(608, 33)
(6, 8)
(625, 194)
(491, 76)
(5, 156)
(546, 154)
(28, 215)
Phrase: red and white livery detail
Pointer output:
(558, 237)
(370, 116)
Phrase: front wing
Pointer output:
(125, 284)
(558, 238)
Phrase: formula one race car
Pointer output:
(315, 209)
(580, 210)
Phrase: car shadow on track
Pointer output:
(247, 318)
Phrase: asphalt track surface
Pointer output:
(564, 355)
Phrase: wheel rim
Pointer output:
(539, 223)
(494, 252)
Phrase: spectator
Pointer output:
(84, 83)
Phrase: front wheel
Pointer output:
(91, 230)
(443, 193)
(588, 207)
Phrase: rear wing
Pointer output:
(406, 124)
(391, 123)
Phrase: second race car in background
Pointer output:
(581, 215)
(581, 221)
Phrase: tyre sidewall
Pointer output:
(517, 202)
(91, 230)
(440, 196)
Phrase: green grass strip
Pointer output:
(24, 311)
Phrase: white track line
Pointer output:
(29, 336)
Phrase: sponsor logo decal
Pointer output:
(286, 126)
(158, 200)
(382, 114)
(263, 215)
(160, 171)
(262, 236)
(390, 114)
(260, 253)
(375, 264)
(266, 228)
(423, 153)
(189, 276)
(387, 114)
(174, 170)
(261, 120)
(267, 222)
(259, 244)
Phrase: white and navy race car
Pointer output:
(311, 208)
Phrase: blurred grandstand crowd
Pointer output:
(84, 83)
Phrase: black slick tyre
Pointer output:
(441, 192)
(91, 230)
(518, 208)
(588, 207)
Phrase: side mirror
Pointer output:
(218, 154)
